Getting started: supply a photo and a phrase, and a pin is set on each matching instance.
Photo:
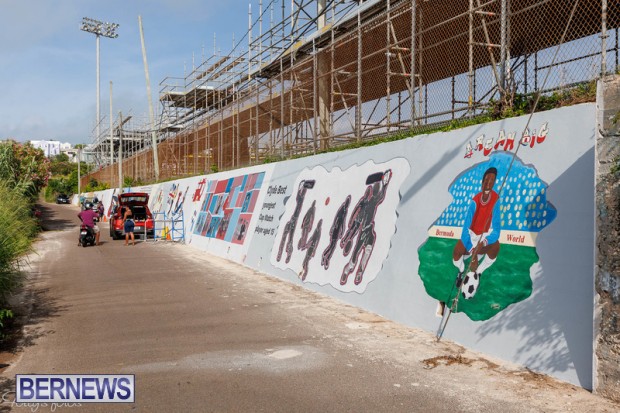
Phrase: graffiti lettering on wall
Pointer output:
(337, 225)
(506, 142)
(484, 243)
(227, 208)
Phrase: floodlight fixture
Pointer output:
(99, 28)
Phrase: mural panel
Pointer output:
(484, 244)
(227, 207)
(337, 225)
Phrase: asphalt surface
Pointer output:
(202, 334)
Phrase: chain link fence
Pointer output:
(363, 76)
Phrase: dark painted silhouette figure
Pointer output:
(306, 226)
(311, 247)
(362, 225)
(336, 231)
(289, 228)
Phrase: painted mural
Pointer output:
(337, 225)
(484, 244)
(397, 223)
(227, 207)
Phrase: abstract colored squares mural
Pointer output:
(227, 208)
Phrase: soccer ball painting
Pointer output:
(470, 285)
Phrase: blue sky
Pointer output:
(48, 65)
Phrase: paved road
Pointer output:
(205, 335)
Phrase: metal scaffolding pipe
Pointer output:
(503, 32)
(604, 38)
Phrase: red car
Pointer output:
(138, 203)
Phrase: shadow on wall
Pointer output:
(553, 320)
(444, 162)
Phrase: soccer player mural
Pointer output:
(349, 240)
(480, 234)
(362, 224)
(306, 226)
(336, 231)
(496, 207)
(289, 228)
(310, 246)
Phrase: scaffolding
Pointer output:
(312, 75)
(169, 227)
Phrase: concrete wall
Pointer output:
(608, 234)
(377, 227)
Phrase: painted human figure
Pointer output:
(223, 228)
(199, 190)
(306, 226)
(336, 231)
(362, 224)
(171, 197)
(289, 228)
(240, 230)
(180, 202)
(213, 224)
(480, 235)
(310, 248)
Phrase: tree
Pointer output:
(23, 167)
(60, 165)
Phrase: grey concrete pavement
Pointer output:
(202, 334)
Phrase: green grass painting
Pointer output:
(506, 282)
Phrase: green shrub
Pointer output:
(95, 185)
(5, 314)
(18, 227)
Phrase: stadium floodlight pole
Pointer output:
(99, 28)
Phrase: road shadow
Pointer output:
(32, 307)
(7, 393)
(50, 220)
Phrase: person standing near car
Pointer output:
(128, 225)
(89, 218)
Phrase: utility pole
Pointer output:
(120, 151)
(79, 153)
(111, 139)
(151, 113)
